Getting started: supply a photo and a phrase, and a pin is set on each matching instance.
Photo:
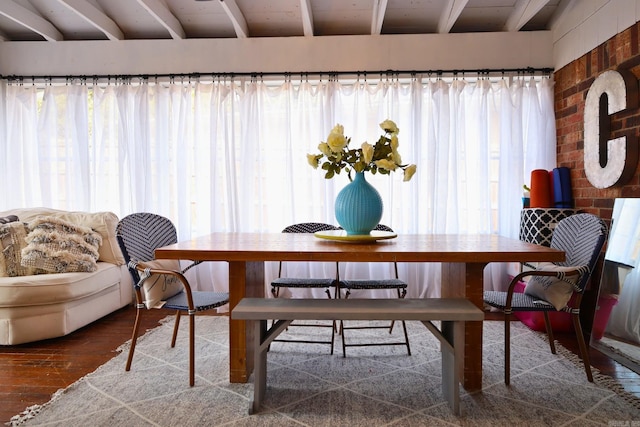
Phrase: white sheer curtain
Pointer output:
(230, 155)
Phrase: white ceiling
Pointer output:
(61, 20)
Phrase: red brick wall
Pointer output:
(571, 85)
(621, 52)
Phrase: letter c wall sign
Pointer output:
(609, 162)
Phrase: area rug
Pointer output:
(307, 386)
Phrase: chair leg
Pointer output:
(401, 295)
(344, 346)
(176, 325)
(192, 348)
(547, 324)
(404, 328)
(393, 322)
(406, 337)
(134, 339)
(335, 327)
(507, 349)
(275, 292)
(583, 346)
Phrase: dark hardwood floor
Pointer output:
(31, 373)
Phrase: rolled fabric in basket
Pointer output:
(540, 189)
(551, 189)
(562, 194)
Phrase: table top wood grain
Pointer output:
(479, 248)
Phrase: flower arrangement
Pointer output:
(382, 157)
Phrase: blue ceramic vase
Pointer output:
(358, 207)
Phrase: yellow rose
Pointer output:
(336, 142)
(386, 164)
(313, 160)
(390, 126)
(394, 142)
(324, 149)
(409, 171)
(383, 156)
(395, 156)
(367, 152)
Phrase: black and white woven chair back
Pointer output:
(578, 235)
(309, 227)
(140, 234)
(382, 227)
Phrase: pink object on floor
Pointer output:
(560, 321)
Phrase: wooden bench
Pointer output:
(452, 312)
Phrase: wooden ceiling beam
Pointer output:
(307, 17)
(95, 17)
(377, 19)
(524, 11)
(163, 15)
(30, 20)
(450, 15)
(237, 18)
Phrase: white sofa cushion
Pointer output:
(43, 289)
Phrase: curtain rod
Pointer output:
(454, 72)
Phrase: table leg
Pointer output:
(466, 280)
(246, 279)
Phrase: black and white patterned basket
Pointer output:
(537, 224)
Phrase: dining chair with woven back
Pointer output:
(161, 283)
(374, 284)
(325, 283)
(551, 286)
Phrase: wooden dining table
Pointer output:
(463, 259)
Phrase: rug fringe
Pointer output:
(598, 377)
(34, 410)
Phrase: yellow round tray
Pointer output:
(342, 236)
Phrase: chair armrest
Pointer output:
(561, 275)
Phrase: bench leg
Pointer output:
(263, 339)
(451, 337)
(453, 333)
(259, 366)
